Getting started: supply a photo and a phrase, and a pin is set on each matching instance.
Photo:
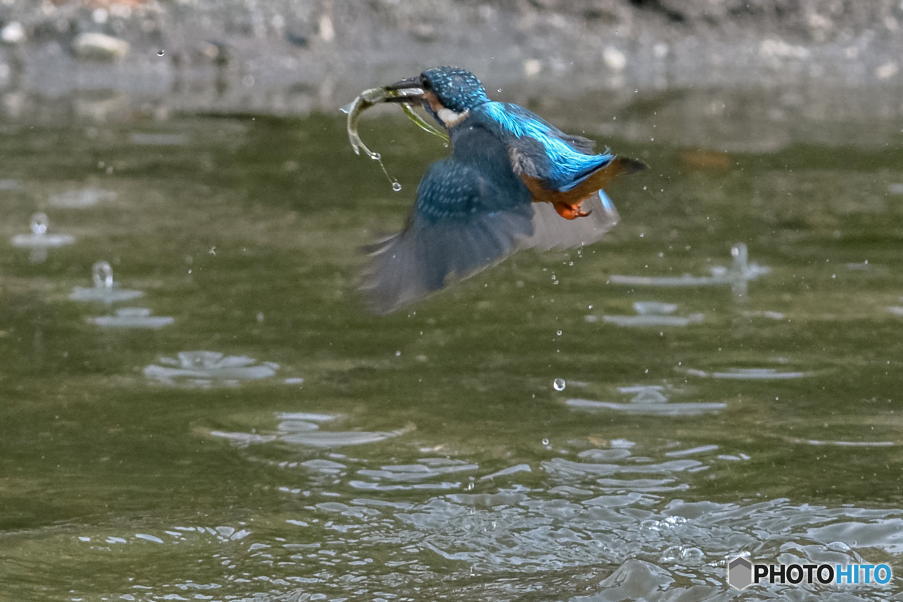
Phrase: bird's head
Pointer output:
(448, 93)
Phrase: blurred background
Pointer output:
(293, 57)
(195, 406)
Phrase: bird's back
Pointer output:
(538, 149)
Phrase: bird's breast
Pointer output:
(599, 179)
(538, 191)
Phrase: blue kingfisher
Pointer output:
(513, 181)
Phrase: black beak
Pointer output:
(408, 90)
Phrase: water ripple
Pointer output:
(208, 369)
(658, 409)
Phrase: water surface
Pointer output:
(303, 447)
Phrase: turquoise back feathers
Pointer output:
(566, 166)
(561, 164)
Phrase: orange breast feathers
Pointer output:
(568, 202)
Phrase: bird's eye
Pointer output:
(425, 84)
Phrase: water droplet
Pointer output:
(559, 332)
(39, 223)
(693, 555)
(740, 255)
(161, 52)
(559, 384)
(545, 442)
(398, 354)
(671, 554)
(102, 274)
(650, 394)
(396, 186)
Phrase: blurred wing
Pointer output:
(461, 224)
(550, 231)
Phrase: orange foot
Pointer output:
(570, 211)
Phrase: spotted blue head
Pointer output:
(455, 88)
(448, 93)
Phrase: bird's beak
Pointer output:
(406, 90)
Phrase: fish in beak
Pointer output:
(405, 90)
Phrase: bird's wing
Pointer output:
(578, 143)
(552, 232)
(460, 224)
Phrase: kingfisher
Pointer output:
(512, 181)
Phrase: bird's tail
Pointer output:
(626, 166)
(603, 176)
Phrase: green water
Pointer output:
(478, 480)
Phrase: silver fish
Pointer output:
(374, 96)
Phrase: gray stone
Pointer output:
(99, 46)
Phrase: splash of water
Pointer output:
(39, 224)
(102, 274)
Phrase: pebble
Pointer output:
(532, 67)
(614, 58)
(99, 46)
(12, 33)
